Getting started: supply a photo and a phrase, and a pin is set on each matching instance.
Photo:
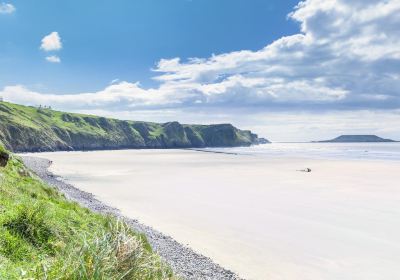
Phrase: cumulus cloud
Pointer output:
(119, 96)
(53, 59)
(347, 54)
(51, 42)
(6, 8)
(345, 57)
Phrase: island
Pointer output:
(356, 139)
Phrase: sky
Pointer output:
(287, 70)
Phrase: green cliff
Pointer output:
(32, 129)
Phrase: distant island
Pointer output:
(356, 139)
(39, 129)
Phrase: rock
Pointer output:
(4, 157)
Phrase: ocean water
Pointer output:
(351, 151)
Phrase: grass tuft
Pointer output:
(31, 224)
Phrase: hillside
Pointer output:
(356, 138)
(31, 129)
(44, 236)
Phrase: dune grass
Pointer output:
(45, 236)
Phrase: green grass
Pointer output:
(45, 236)
(26, 128)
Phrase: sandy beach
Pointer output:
(257, 216)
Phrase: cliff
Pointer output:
(31, 129)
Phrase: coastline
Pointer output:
(183, 260)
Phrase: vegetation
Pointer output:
(24, 128)
(44, 236)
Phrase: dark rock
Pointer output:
(4, 157)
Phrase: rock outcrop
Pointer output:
(4, 157)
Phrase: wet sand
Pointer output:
(258, 216)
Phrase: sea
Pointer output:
(350, 151)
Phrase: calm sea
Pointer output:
(353, 151)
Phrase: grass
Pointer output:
(26, 128)
(45, 236)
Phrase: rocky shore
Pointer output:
(183, 260)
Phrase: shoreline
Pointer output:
(213, 152)
(183, 260)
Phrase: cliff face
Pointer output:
(30, 129)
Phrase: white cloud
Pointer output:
(122, 95)
(347, 54)
(6, 8)
(129, 101)
(53, 59)
(346, 57)
(51, 42)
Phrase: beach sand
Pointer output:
(258, 216)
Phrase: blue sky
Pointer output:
(105, 40)
(288, 70)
